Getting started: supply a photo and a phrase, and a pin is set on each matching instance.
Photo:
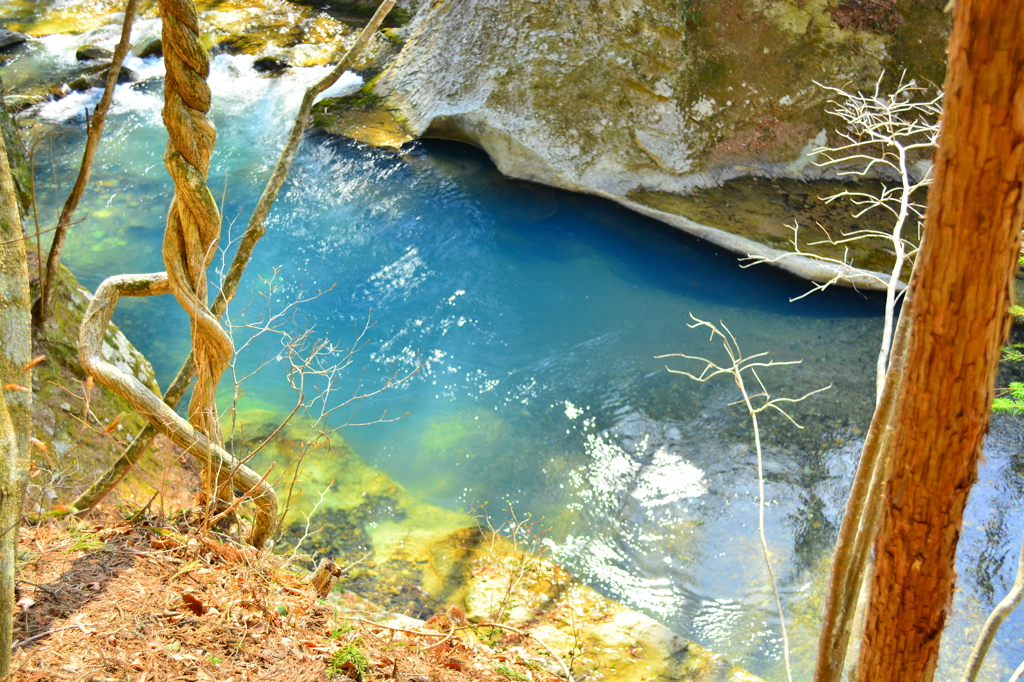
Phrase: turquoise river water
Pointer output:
(537, 315)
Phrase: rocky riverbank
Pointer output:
(649, 104)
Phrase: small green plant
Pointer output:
(509, 673)
(342, 629)
(87, 542)
(216, 660)
(1013, 353)
(349, 659)
(1012, 400)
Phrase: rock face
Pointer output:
(17, 158)
(614, 96)
(70, 454)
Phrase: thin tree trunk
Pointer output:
(254, 231)
(15, 395)
(960, 319)
(860, 521)
(44, 308)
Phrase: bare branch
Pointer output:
(736, 368)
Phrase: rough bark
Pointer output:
(960, 319)
(15, 394)
(46, 286)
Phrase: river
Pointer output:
(534, 316)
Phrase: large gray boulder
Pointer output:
(622, 98)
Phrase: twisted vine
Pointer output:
(193, 221)
(149, 405)
(190, 242)
(254, 231)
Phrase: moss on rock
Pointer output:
(360, 117)
(81, 427)
(661, 96)
(17, 159)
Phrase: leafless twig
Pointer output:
(755, 404)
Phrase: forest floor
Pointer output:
(153, 598)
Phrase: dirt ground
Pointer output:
(152, 598)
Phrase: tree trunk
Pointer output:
(848, 576)
(960, 319)
(15, 395)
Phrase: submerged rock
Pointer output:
(415, 558)
(505, 582)
(614, 98)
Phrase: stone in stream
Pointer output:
(97, 78)
(92, 52)
(151, 46)
(11, 38)
(270, 65)
(18, 103)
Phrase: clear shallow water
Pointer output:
(538, 314)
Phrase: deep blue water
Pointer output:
(535, 316)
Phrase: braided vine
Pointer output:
(193, 221)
